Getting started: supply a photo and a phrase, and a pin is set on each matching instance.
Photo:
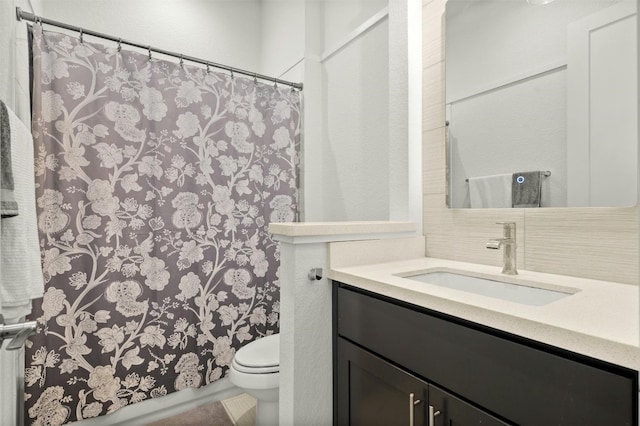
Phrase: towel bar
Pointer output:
(19, 332)
(545, 174)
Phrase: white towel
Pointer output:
(20, 268)
(8, 204)
(490, 191)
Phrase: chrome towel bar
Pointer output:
(545, 174)
(17, 332)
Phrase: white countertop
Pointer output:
(306, 229)
(600, 320)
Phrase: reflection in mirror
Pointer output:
(535, 86)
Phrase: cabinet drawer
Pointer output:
(526, 384)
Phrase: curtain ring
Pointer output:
(275, 83)
(181, 61)
(149, 51)
(119, 44)
(255, 78)
(81, 34)
(208, 68)
(231, 73)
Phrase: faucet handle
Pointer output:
(509, 229)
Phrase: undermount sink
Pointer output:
(512, 292)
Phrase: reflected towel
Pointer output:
(21, 279)
(8, 203)
(527, 189)
(490, 191)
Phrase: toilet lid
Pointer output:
(262, 354)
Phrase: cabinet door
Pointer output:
(452, 411)
(371, 391)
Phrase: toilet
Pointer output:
(256, 370)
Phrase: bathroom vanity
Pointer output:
(471, 353)
(407, 350)
(397, 363)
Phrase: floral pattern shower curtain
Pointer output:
(155, 185)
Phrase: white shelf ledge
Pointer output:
(308, 232)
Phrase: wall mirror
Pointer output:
(542, 85)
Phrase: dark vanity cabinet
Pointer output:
(380, 393)
(399, 364)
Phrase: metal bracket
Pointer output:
(315, 274)
(17, 332)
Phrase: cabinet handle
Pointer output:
(432, 415)
(412, 403)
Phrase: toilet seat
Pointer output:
(255, 370)
(261, 356)
(252, 380)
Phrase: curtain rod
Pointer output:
(20, 15)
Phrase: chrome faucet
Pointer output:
(508, 240)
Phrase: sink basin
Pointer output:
(518, 293)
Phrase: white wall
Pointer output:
(282, 38)
(398, 137)
(355, 142)
(356, 172)
(341, 17)
(353, 179)
(602, 99)
(226, 32)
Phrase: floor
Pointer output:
(235, 411)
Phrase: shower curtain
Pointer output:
(155, 184)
